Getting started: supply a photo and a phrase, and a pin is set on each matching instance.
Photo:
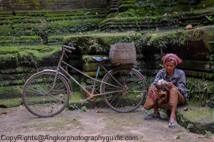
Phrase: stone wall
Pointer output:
(195, 47)
(50, 4)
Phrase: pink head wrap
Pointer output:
(172, 56)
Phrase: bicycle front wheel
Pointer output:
(38, 97)
(125, 91)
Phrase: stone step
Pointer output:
(172, 20)
(7, 92)
(22, 40)
(197, 119)
(28, 20)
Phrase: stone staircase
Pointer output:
(28, 26)
(169, 21)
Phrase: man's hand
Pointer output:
(170, 85)
(160, 85)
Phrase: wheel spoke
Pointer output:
(137, 92)
(112, 99)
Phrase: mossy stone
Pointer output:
(196, 119)
(11, 102)
(10, 92)
(93, 74)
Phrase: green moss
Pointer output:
(197, 74)
(199, 90)
(74, 22)
(76, 97)
(30, 37)
(151, 38)
(35, 4)
(29, 57)
(126, 6)
(11, 102)
(99, 43)
(22, 20)
(5, 30)
(199, 65)
(204, 4)
(55, 40)
(90, 67)
(123, 38)
(7, 58)
(111, 15)
(200, 115)
(181, 7)
(53, 53)
(172, 38)
(8, 50)
(75, 63)
(93, 74)
(7, 82)
(2, 12)
(173, 20)
(197, 119)
(10, 92)
(28, 53)
(182, 2)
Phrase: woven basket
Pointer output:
(122, 53)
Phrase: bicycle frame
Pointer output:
(92, 94)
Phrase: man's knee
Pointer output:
(173, 89)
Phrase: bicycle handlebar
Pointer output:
(68, 48)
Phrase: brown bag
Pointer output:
(164, 98)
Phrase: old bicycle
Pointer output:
(47, 93)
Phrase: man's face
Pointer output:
(169, 66)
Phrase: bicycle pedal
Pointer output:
(81, 102)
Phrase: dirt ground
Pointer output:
(20, 125)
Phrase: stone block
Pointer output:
(197, 119)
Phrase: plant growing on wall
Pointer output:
(152, 5)
(43, 30)
(210, 18)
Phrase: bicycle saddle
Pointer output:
(100, 59)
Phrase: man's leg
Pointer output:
(173, 116)
(155, 113)
(153, 94)
(173, 101)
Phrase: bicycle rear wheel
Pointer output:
(39, 100)
(127, 90)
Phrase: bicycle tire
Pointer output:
(127, 96)
(36, 99)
